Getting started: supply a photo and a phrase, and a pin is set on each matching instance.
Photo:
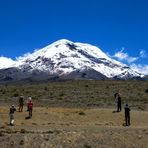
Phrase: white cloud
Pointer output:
(6, 62)
(140, 68)
(143, 54)
(25, 55)
(123, 56)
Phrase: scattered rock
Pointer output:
(139, 136)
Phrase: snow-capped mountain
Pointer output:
(66, 59)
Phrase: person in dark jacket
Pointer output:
(127, 115)
(21, 103)
(11, 114)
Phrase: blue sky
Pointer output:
(118, 27)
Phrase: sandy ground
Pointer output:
(73, 128)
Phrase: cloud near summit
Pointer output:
(123, 56)
(131, 61)
(140, 68)
(6, 62)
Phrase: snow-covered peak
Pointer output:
(62, 41)
(64, 46)
(47, 52)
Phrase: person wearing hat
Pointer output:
(127, 115)
(11, 114)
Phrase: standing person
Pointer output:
(127, 115)
(30, 107)
(118, 100)
(11, 114)
(21, 103)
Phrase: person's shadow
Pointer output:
(27, 118)
(114, 111)
(124, 124)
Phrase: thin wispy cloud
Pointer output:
(28, 54)
(143, 54)
(22, 57)
(123, 56)
(131, 61)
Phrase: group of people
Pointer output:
(20, 109)
(30, 108)
(126, 108)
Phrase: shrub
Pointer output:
(22, 142)
(146, 91)
(61, 94)
(45, 88)
(86, 85)
(15, 95)
(23, 131)
(87, 146)
(81, 113)
(3, 92)
(1, 134)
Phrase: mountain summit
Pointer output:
(67, 60)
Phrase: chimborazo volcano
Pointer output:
(65, 59)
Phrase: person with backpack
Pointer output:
(30, 107)
(127, 115)
(21, 103)
(11, 114)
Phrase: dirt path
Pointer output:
(71, 127)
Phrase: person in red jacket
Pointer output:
(30, 107)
